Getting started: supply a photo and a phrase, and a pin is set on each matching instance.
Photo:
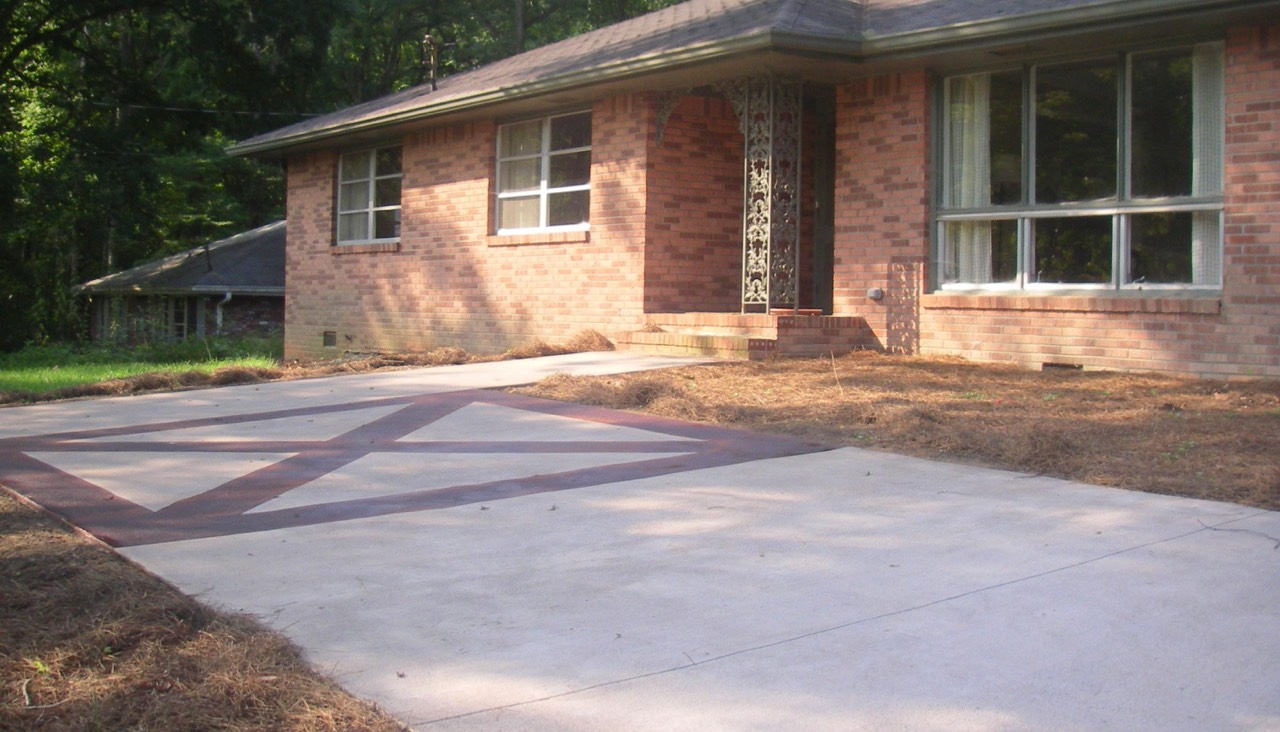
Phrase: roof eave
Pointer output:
(609, 73)
(1042, 24)
(240, 290)
(139, 290)
(870, 48)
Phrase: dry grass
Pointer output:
(587, 340)
(1187, 437)
(91, 642)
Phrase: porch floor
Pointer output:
(749, 336)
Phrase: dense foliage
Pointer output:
(114, 115)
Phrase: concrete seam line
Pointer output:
(872, 618)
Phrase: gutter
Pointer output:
(1033, 26)
(267, 290)
(242, 290)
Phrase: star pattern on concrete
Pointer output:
(214, 476)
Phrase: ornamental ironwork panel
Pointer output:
(769, 113)
(785, 242)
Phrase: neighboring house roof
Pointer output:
(250, 263)
(700, 31)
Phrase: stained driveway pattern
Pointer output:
(191, 479)
(476, 561)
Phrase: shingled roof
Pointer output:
(250, 263)
(701, 31)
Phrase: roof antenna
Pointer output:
(429, 45)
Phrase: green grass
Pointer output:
(39, 369)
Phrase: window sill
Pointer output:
(550, 237)
(1110, 302)
(381, 246)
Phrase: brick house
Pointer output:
(1085, 183)
(233, 286)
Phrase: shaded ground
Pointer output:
(1187, 437)
(91, 642)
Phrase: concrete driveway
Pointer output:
(476, 561)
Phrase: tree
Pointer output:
(114, 119)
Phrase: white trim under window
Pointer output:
(368, 196)
(543, 180)
(1089, 175)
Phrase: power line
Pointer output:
(199, 110)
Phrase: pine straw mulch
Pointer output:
(1187, 437)
(88, 641)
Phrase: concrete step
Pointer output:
(747, 336)
(689, 344)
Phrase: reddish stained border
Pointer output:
(221, 511)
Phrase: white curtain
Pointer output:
(969, 242)
(1206, 167)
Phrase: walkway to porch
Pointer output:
(753, 336)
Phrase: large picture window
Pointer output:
(1102, 173)
(369, 196)
(544, 174)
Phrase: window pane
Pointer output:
(1076, 132)
(389, 161)
(1207, 83)
(981, 252)
(1175, 248)
(985, 143)
(570, 169)
(571, 131)
(519, 175)
(565, 209)
(1073, 250)
(353, 227)
(518, 213)
(1006, 138)
(1160, 248)
(355, 166)
(524, 138)
(388, 192)
(386, 224)
(1162, 121)
(353, 196)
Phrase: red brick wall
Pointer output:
(694, 257)
(882, 203)
(1238, 336)
(450, 282)
(1250, 331)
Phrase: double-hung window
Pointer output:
(1102, 173)
(369, 196)
(544, 174)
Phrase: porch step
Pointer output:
(736, 347)
(747, 336)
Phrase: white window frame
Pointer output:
(1120, 208)
(369, 209)
(544, 191)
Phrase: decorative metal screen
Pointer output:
(770, 115)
